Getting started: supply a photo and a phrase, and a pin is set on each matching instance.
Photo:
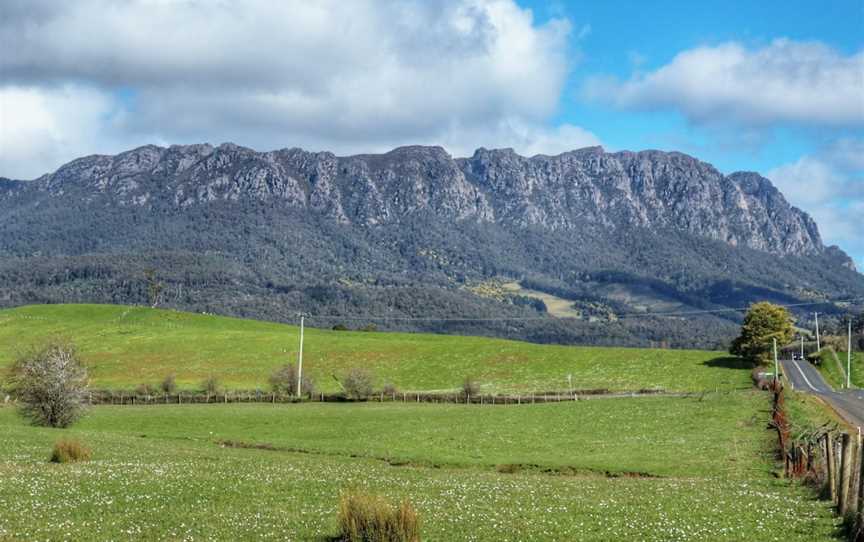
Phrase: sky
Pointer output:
(772, 86)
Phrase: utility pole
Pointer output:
(818, 345)
(849, 356)
(776, 365)
(300, 360)
(802, 347)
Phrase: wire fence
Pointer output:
(115, 397)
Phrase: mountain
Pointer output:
(608, 239)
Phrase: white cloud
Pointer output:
(356, 76)
(41, 128)
(830, 186)
(784, 82)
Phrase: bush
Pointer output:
(169, 385)
(50, 384)
(369, 327)
(357, 383)
(145, 389)
(284, 380)
(371, 518)
(340, 327)
(211, 385)
(69, 451)
(470, 387)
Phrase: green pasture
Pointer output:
(160, 473)
(127, 346)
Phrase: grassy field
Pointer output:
(159, 472)
(633, 435)
(127, 346)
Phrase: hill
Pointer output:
(418, 233)
(128, 346)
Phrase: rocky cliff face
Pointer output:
(648, 189)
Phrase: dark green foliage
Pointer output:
(764, 324)
(262, 260)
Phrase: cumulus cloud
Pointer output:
(41, 128)
(830, 186)
(356, 76)
(786, 81)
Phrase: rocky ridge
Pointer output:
(648, 189)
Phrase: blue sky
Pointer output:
(775, 87)
(617, 37)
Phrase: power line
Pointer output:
(547, 318)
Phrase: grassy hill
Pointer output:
(126, 346)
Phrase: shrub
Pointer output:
(169, 385)
(69, 451)
(210, 384)
(50, 384)
(369, 327)
(470, 387)
(145, 389)
(357, 383)
(284, 380)
(371, 518)
(340, 327)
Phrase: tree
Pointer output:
(51, 384)
(763, 323)
(154, 287)
(357, 383)
(284, 380)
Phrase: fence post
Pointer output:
(831, 466)
(859, 510)
(845, 463)
(855, 474)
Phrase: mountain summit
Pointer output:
(413, 232)
(649, 189)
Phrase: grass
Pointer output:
(619, 436)
(127, 346)
(69, 451)
(835, 375)
(175, 482)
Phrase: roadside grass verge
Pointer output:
(834, 369)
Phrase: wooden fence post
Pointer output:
(859, 510)
(845, 464)
(830, 466)
(855, 474)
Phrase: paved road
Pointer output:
(848, 403)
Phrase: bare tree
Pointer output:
(284, 380)
(154, 287)
(357, 383)
(51, 384)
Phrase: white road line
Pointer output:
(804, 376)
